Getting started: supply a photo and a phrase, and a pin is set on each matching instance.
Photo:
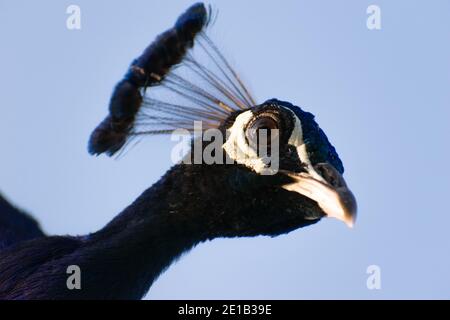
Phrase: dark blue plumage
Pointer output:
(15, 225)
(188, 205)
(317, 144)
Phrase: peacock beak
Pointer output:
(325, 185)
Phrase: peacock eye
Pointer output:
(262, 130)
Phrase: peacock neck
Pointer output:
(143, 240)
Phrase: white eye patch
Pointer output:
(239, 150)
(237, 147)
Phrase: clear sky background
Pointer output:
(382, 97)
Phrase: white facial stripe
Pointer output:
(296, 140)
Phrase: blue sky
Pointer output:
(382, 97)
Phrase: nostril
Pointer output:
(330, 174)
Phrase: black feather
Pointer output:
(15, 225)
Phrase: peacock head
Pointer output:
(277, 169)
